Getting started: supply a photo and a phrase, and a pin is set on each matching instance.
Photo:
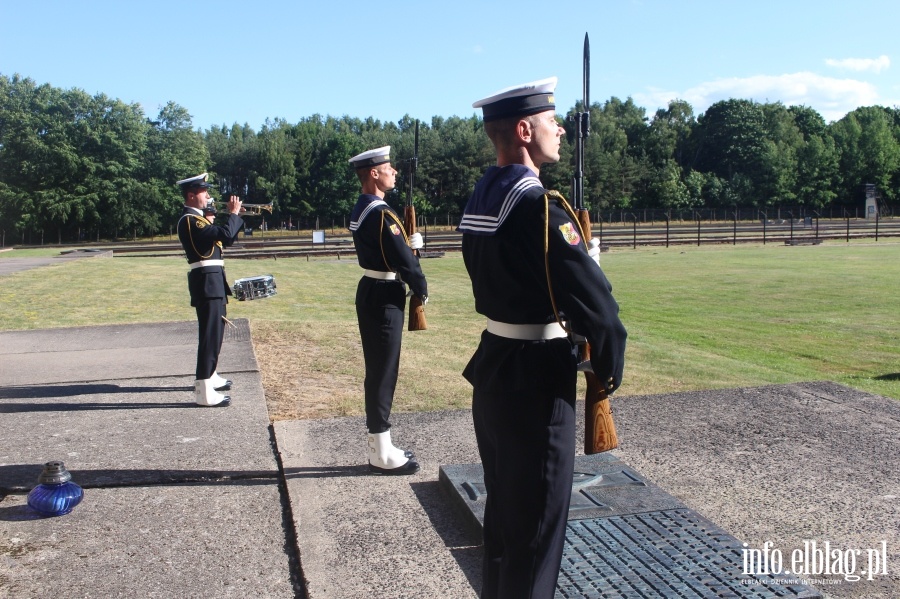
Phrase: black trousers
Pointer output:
(380, 307)
(523, 407)
(211, 333)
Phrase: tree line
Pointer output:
(75, 166)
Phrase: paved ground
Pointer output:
(185, 501)
(179, 500)
(11, 263)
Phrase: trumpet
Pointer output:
(256, 208)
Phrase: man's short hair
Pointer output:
(502, 132)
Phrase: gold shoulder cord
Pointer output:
(218, 243)
(565, 206)
(381, 237)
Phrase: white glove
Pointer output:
(594, 250)
(415, 241)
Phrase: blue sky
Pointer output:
(245, 62)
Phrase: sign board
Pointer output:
(318, 236)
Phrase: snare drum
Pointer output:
(252, 288)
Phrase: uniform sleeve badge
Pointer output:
(200, 223)
(570, 234)
(395, 229)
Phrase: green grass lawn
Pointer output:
(698, 318)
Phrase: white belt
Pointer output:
(203, 263)
(378, 274)
(526, 332)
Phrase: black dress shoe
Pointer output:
(410, 467)
(222, 404)
(408, 454)
(225, 387)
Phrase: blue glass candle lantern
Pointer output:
(55, 494)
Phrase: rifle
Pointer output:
(599, 428)
(416, 309)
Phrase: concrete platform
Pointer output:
(179, 500)
(781, 464)
(185, 501)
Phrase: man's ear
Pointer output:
(524, 130)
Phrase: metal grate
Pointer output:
(669, 553)
(628, 538)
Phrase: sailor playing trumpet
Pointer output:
(203, 242)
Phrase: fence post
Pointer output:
(668, 217)
(697, 214)
(634, 231)
(734, 230)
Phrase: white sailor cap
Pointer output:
(196, 182)
(519, 100)
(371, 158)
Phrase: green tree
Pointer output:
(869, 151)
(731, 141)
(174, 151)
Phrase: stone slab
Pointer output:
(815, 461)
(362, 535)
(180, 501)
(784, 464)
(209, 541)
(627, 537)
(133, 432)
(110, 352)
(603, 486)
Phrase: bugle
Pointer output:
(256, 208)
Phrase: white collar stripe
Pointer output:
(487, 223)
(354, 225)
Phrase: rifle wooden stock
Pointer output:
(417, 320)
(599, 428)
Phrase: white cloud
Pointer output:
(876, 65)
(830, 97)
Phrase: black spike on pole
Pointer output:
(582, 122)
(414, 164)
(587, 85)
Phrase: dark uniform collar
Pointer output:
(495, 195)
(364, 203)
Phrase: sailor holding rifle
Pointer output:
(534, 280)
(386, 254)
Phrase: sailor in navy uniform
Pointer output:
(386, 254)
(202, 242)
(524, 371)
